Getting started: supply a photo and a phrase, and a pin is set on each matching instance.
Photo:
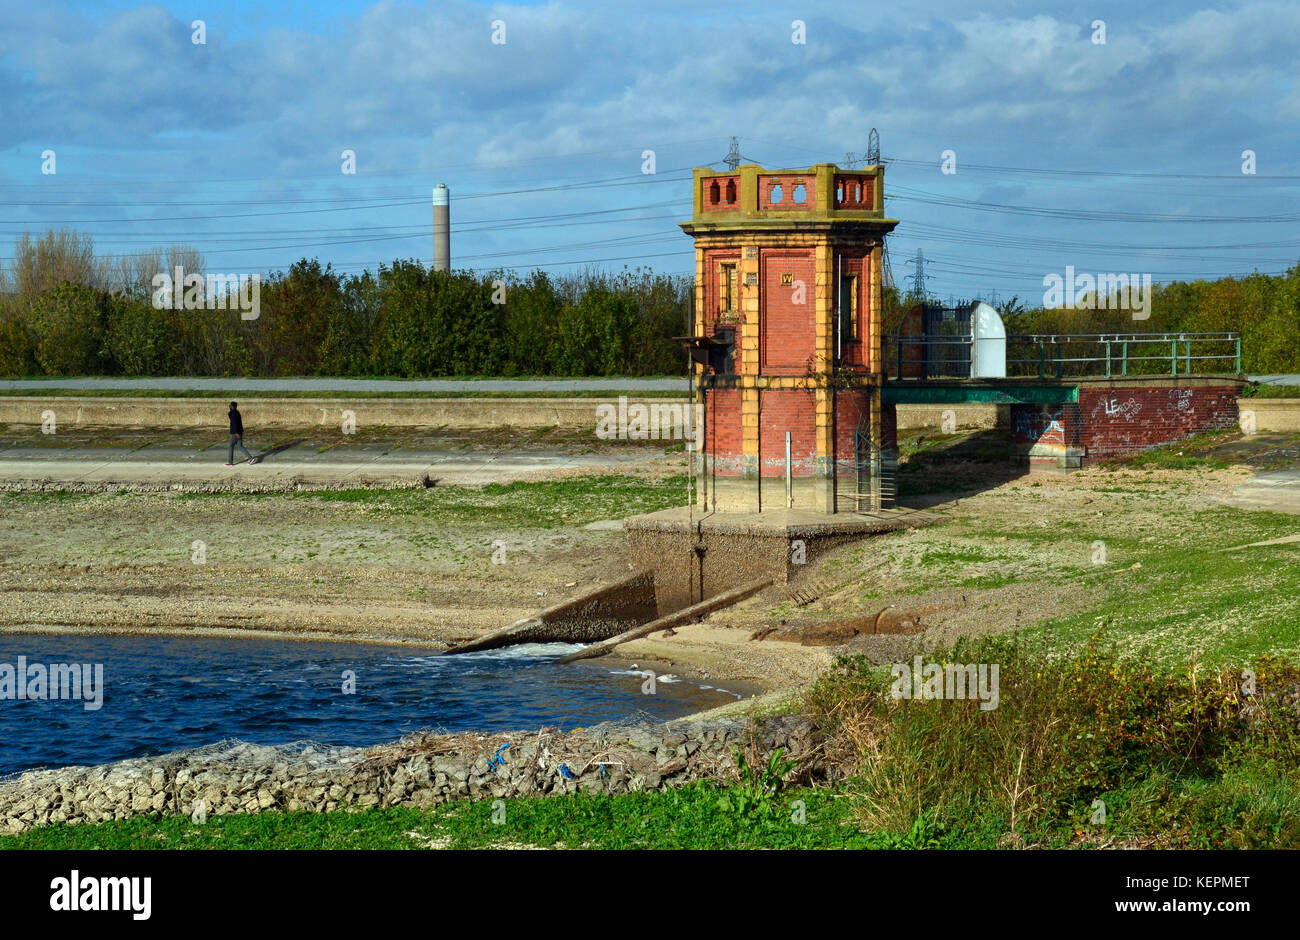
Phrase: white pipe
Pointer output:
(789, 482)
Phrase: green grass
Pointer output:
(1190, 453)
(1257, 390)
(689, 818)
(1191, 600)
(544, 504)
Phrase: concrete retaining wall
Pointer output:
(1270, 414)
(695, 558)
(566, 413)
(964, 417)
(596, 615)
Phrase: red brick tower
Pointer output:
(788, 336)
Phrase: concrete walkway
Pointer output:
(175, 460)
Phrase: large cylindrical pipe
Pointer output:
(441, 228)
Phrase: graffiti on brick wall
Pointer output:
(1042, 427)
(1182, 398)
(1114, 408)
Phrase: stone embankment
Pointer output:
(420, 770)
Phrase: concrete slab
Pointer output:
(695, 557)
(1276, 490)
(286, 460)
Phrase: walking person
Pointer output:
(236, 435)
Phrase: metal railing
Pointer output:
(1062, 355)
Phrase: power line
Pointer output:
(421, 172)
(907, 194)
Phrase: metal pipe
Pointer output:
(789, 481)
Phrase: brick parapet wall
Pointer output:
(1109, 422)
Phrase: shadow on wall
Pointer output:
(933, 467)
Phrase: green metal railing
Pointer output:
(1049, 355)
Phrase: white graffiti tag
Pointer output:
(1114, 408)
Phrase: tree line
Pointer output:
(1263, 308)
(63, 311)
(66, 311)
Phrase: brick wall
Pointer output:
(720, 193)
(789, 332)
(722, 437)
(1113, 421)
(854, 192)
(852, 411)
(1117, 421)
(889, 428)
(792, 410)
(1048, 425)
(788, 182)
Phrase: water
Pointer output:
(164, 694)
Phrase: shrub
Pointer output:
(17, 355)
(1065, 732)
(68, 325)
(139, 339)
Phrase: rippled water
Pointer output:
(162, 694)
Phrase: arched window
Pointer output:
(775, 194)
(713, 193)
(731, 191)
(799, 194)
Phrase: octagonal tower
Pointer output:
(787, 338)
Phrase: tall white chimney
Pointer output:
(441, 228)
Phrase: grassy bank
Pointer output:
(1091, 750)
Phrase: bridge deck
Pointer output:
(1032, 390)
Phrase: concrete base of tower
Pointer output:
(846, 494)
(1049, 458)
(750, 494)
(695, 556)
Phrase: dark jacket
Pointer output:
(236, 422)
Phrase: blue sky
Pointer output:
(1116, 157)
